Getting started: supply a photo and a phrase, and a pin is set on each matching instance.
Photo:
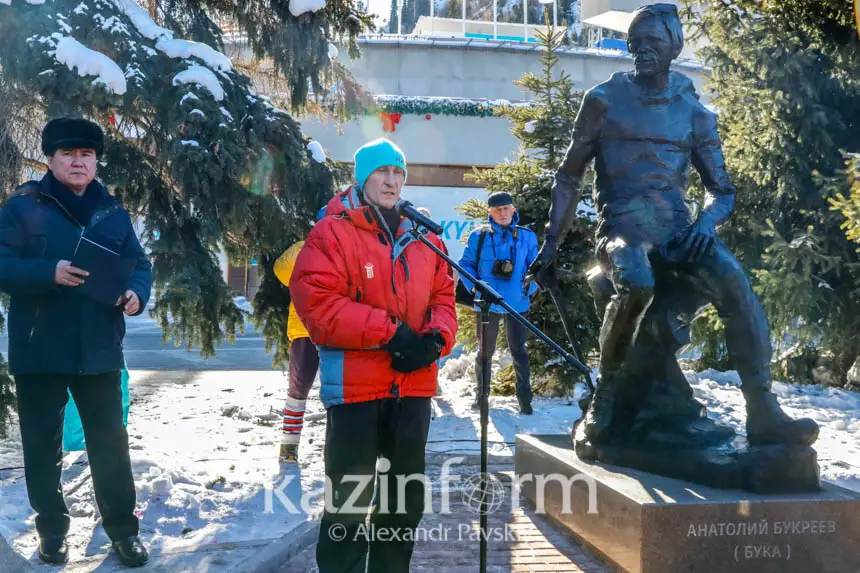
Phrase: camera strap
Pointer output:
(481, 237)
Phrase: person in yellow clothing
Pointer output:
(304, 363)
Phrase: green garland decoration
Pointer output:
(415, 105)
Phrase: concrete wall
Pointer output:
(444, 139)
(481, 69)
(424, 68)
(475, 68)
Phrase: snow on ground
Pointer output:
(457, 429)
(204, 449)
(836, 411)
(203, 444)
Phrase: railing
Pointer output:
(489, 43)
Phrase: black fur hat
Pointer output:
(72, 133)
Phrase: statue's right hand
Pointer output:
(541, 265)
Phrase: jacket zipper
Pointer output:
(380, 220)
(395, 387)
(390, 235)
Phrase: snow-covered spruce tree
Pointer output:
(10, 153)
(191, 148)
(543, 131)
(10, 166)
(786, 77)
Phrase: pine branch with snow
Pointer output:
(190, 146)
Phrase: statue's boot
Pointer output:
(768, 424)
(598, 419)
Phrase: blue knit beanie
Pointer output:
(378, 153)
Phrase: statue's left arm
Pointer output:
(707, 158)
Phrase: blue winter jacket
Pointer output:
(499, 244)
(53, 329)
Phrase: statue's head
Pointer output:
(655, 38)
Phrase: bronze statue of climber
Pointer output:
(643, 130)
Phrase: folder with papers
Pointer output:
(109, 271)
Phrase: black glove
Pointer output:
(428, 351)
(433, 345)
(417, 353)
(406, 348)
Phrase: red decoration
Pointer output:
(112, 120)
(428, 116)
(390, 121)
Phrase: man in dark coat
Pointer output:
(61, 340)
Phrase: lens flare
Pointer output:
(857, 15)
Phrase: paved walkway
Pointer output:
(533, 544)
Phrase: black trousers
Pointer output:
(356, 435)
(42, 402)
(516, 335)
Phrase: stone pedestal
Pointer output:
(12, 562)
(652, 524)
(767, 469)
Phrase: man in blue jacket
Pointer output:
(61, 340)
(501, 257)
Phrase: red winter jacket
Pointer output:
(352, 288)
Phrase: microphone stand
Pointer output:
(489, 297)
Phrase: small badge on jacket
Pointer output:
(369, 269)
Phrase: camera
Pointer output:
(503, 269)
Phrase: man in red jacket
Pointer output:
(379, 305)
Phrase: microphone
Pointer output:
(405, 209)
